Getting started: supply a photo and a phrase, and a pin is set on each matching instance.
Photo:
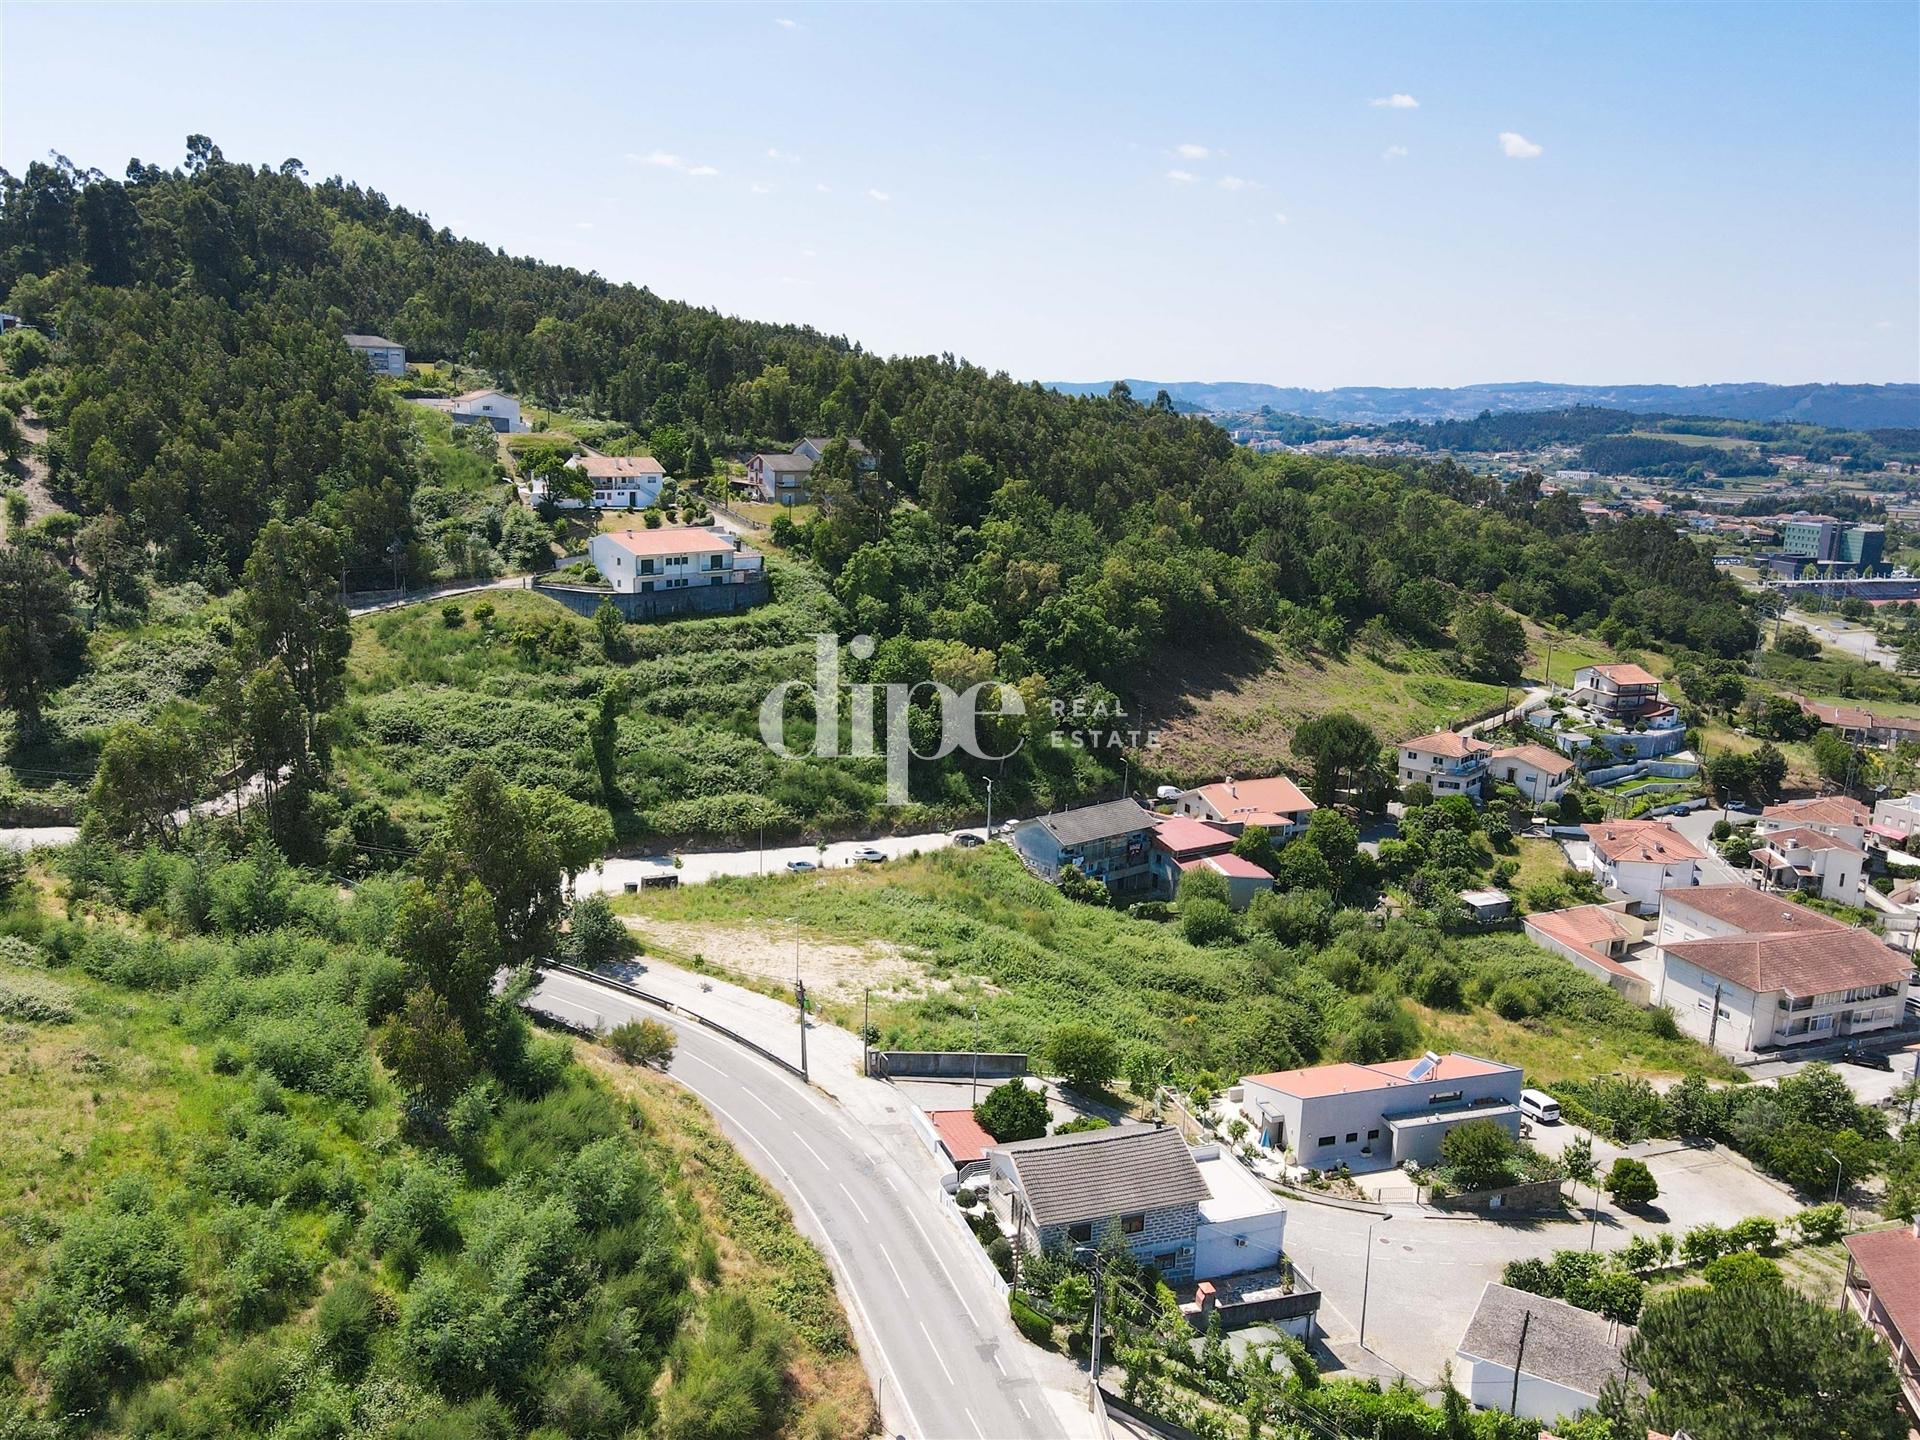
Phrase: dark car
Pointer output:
(1857, 1056)
(966, 839)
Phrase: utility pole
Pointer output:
(1366, 1280)
(1513, 1400)
(1713, 1021)
(974, 1095)
(866, 1029)
(1091, 1257)
(800, 999)
(989, 810)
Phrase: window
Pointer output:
(1352, 1136)
(1446, 1097)
(1080, 1234)
(1132, 1224)
(1166, 1259)
(1373, 1134)
(1326, 1140)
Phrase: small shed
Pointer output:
(1487, 906)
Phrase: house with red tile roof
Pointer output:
(1883, 1288)
(1178, 841)
(1840, 816)
(1369, 1117)
(1446, 762)
(1634, 860)
(1596, 938)
(672, 557)
(1276, 803)
(1619, 692)
(1244, 878)
(1749, 971)
(1540, 773)
(1802, 859)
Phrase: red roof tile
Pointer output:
(1272, 802)
(1182, 835)
(965, 1139)
(1890, 1259)
(670, 540)
(1652, 841)
(1447, 742)
(1317, 1080)
(1800, 964)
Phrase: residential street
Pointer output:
(933, 1331)
(1858, 641)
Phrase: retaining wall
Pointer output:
(1529, 1199)
(945, 1065)
(661, 604)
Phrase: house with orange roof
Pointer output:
(1369, 1117)
(1883, 1286)
(1539, 773)
(1748, 971)
(1621, 692)
(1276, 803)
(1804, 859)
(1635, 860)
(1840, 816)
(673, 559)
(1597, 939)
(1446, 762)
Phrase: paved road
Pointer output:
(1858, 641)
(440, 592)
(934, 1334)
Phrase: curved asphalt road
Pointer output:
(934, 1334)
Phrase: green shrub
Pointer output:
(1013, 1112)
(1821, 1224)
(348, 1317)
(1083, 1056)
(1516, 999)
(1631, 1183)
(727, 1374)
(1037, 1328)
(1743, 1267)
(34, 999)
(1703, 1244)
(1756, 1232)
(641, 1042)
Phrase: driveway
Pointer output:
(614, 874)
(934, 1331)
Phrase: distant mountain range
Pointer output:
(1843, 407)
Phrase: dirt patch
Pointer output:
(834, 970)
(30, 471)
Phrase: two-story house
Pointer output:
(1748, 971)
(1619, 692)
(1191, 1214)
(1837, 815)
(1446, 762)
(383, 356)
(494, 409)
(1597, 939)
(1275, 802)
(621, 482)
(1636, 860)
(780, 479)
(1812, 861)
(1111, 843)
(1178, 840)
(674, 557)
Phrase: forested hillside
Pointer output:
(197, 391)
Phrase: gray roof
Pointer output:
(1096, 822)
(1097, 1174)
(785, 462)
(1565, 1344)
(820, 442)
(371, 340)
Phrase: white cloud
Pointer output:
(667, 160)
(1182, 177)
(1883, 324)
(1234, 182)
(759, 189)
(786, 24)
(873, 194)
(1192, 152)
(1394, 152)
(1395, 101)
(1516, 146)
(583, 224)
(808, 254)
(824, 188)
(1280, 218)
(774, 152)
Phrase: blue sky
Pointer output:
(1603, 193)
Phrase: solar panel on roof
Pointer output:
(1424, 1066)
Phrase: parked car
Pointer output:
(869, 855)
(1740, 807)
(800, 867)
(966, 839)
(1006, 827)
(1867, 1058)
(1167, 792)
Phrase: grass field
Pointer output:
(984, 932)
(762, 512)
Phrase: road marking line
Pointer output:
(959, 1294)
(895, 1268)
(853, 1295)
(942, 1359)
(973, 1422)
(995, 1357)
(855, 1203)
(1023, 1407)
(754, 1096)
(811, 1151)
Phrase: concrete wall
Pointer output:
(1362, 1114)
(1490, 1387)
(1531, 1198)
(1231, 1247)
(1421, 1143)
(662, 604)
(948, 1064)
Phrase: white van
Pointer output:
(1540, 1106)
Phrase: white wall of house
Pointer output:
(1746, 1019)
(627, 572)
(1533, 782)
(502, 412)
(1490, 1387)
(1232, 1247)
(1642, 880)
(1354, 1122)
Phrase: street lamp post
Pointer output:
(989, 810)
(1366, 1279)
(1091, 1257)
(1838, 1171)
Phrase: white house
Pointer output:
(1536, 1356)
(383, 356)
(493, 408)
(1637, 859)
(1835, 815)
(1275, 802)
(1372, 1116)
(1619, 692)
(1896, 817)
(1746, 971)
(621, 482)
(1820, 864)
(674, 557)
(1446, 762)
(1540, 774)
